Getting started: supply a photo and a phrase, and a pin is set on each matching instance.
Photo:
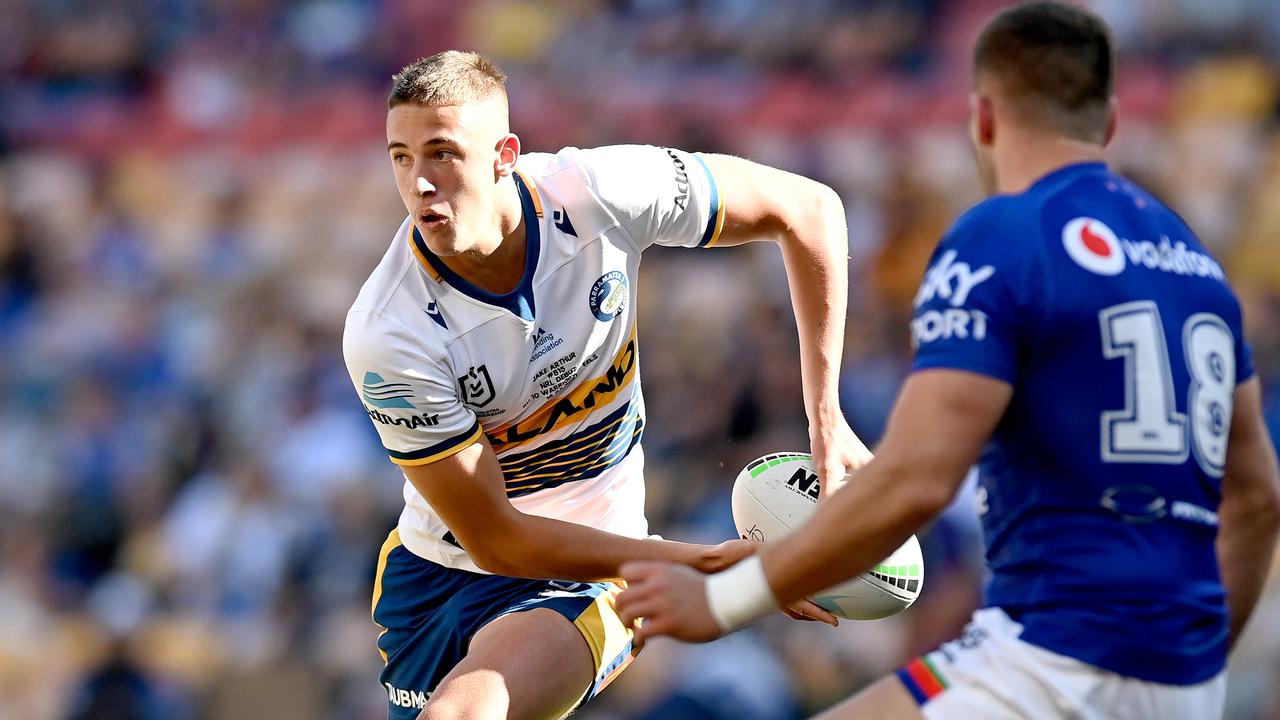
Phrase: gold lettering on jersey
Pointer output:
(558, 412)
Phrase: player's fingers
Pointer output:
(831, 475)
(632, 606)
(628, 600)
(628, 607)
(639, 636)
(793, 614)
(811, 611)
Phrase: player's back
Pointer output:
(1100, 488)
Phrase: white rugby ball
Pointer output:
(777, 493)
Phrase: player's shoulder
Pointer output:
(606, 186)
(995, 228)
(994, 244)
(379, 339)
(598, 166)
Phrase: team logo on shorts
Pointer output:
(477, 387)
(608, 296)
(1093, 246)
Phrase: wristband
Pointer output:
(740, 594)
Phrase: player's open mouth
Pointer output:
(431, 219)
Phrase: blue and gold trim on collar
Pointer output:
(534, 195)
(520, 300)
(417, 247)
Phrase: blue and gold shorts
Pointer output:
(429, 614)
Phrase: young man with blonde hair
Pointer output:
(495, 350)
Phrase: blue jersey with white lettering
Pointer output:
(1100, 486)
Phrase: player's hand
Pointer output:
(809, 612)
(715, 558)
(671, 599)
(837, 451)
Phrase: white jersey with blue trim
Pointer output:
(548, 373)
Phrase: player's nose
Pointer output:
(424, 186)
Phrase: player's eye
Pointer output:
(445, 155)
(401, 159)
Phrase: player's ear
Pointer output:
(508, 154)
(983, 119)
(1113, 112)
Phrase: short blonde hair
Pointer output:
(452, 77)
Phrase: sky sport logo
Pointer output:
(1096, 248)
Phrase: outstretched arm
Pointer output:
(468, 491)
(1250, 511)
(940, 424)
(806, 219)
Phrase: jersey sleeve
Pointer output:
(659, 195)
(1244, 351)
(974, 303)
(1244, 361)
(411, 398)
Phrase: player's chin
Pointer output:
(440, 236)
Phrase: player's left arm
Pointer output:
(1249, 514)
(941, 422)
(806, 219)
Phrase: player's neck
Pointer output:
(1024, 158)
(497, 267)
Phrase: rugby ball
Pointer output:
(777, 493)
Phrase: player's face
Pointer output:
(446, 160)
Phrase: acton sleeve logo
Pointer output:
(477, 387)
(1093, 246)
(682, 180)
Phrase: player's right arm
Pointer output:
(1249, 514)
(448, 460)
(468, 492)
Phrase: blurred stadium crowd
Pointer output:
(192, 191)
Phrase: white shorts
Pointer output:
(989, 673)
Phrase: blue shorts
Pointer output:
(429, 614)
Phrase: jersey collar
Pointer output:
(1067, 171)
(520, 300)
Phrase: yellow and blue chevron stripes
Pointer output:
(572, 408)
(579, 456)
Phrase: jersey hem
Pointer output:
(950, 364)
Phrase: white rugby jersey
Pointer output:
(549, 372)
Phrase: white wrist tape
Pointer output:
(740, 594)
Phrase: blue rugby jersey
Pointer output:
(1100, 486)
